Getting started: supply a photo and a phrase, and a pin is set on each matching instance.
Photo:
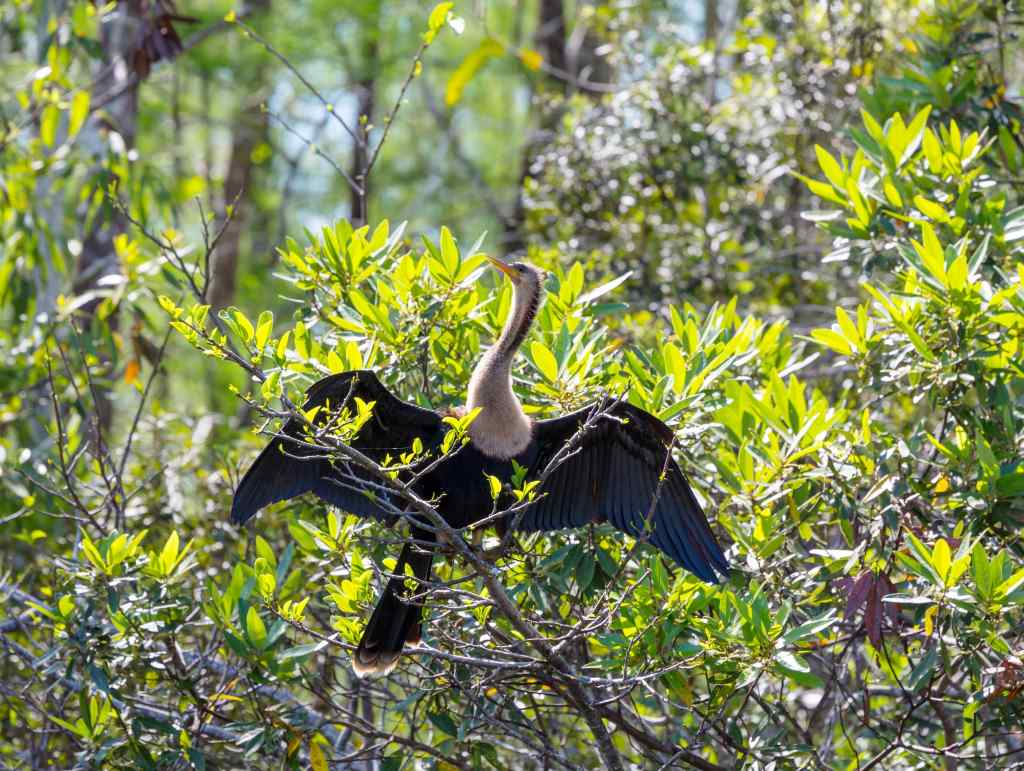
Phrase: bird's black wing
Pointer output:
(614, 476)
(281, 471)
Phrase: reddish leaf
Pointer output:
(873, 615)
(1009, 679)
(868, 590)
(858, 594)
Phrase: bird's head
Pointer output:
(523, 274)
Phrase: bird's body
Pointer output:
(619, 470)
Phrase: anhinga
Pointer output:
(612, 474)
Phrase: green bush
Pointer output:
(867, 476)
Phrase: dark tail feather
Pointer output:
(395, 623)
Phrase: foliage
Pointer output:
(865, 470)
(682, 175)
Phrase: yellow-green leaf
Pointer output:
(532, 59)
(264, 326)
(874, 130)
(849, 328)
(675, 365)
(892, 195)
(495, 485)
(956, 276)
(932, 151)
(821, 189)
(438, 16)
(544, 360)
(829, 165)
(954, 137)
(334, 362)
(48, 124)
(272, 385)
(449, 252)
(468, 68)
(66, 605)
(860, 207)
(79, 112)
(930, 209)
(930, 252)
(245, 327)
(169, 554)
(941, 558)
(317, 759)
(832, 339)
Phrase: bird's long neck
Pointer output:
(502, 429)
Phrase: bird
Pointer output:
(620, 470)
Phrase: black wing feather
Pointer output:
(284, 469)
(614, 476)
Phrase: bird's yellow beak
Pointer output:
(505, 268)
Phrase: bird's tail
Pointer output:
(396, 620)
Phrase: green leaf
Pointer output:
(924, 556)
(271, 387)
(301, 651)
(449, 252)
(675, 365)
(1011, 484)
(1010, 585)
(811, 628)
(80, 729)
(908, 599)
(796, 669)
(242, 325)
(443, 722)
(264, 326)
(255, 629)
(604, 289)
(66, 605)
(169, 554)
(981, 570)
(914, 134)
(917, 341)
(921, 674)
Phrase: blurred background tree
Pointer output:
(792, 230)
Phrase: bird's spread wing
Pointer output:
(281, 471)
(613, 475)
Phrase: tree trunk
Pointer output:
(710, 20)
(551, 34)
(366, 93)
(110, 132)
(251, 129)
(551, 44)
(117, 86)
